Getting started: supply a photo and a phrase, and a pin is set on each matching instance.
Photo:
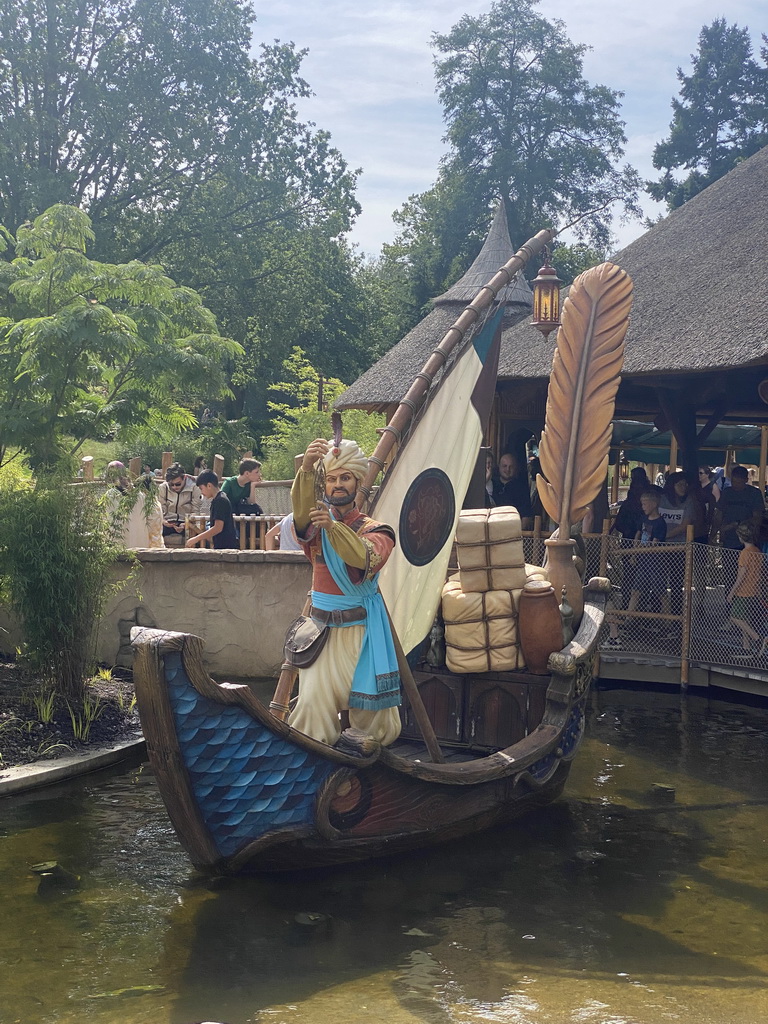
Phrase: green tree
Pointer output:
(720, 118)
(86, 347)
(522, 124)
(307, 296)
(389, 314)
(572, 260)
(298, 420)
(185, 148)
(129, 107)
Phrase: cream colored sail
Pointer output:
(423, 490)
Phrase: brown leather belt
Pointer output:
(337, 616)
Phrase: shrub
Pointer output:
(56, 549)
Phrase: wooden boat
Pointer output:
(245, 790)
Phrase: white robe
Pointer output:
(324, 691)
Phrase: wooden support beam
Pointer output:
(615, 478)
(719, 410)
(763, 456)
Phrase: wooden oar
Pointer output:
(280, 704)
(417, 704)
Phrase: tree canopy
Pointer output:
(523, 124)
(128, 107)
(183, 144)
(720, 118)
(87, 346)
(300, 404)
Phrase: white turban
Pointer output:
(350, 457)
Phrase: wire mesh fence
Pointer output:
(674, 602)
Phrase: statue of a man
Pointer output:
(357, 667)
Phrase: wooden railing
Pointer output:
(251, 529)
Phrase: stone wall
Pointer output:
(239, 602)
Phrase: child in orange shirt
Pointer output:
(745, 592)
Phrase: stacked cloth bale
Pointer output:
(479, 604)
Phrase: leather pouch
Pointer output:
(304, 641)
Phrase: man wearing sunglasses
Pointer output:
(179, 497)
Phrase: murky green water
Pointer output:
(606, 908)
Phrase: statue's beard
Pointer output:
(339, 499)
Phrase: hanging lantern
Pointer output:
(546, 298)
(623, 468)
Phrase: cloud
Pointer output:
(372, 74)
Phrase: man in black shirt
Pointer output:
(739, 503)
(222, 529)
(513, 487)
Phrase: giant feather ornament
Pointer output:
(582, 389)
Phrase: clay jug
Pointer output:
(562, 572)
(539, 624)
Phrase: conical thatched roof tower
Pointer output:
(496, 250)
(385, 383)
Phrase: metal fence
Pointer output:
(670, 602)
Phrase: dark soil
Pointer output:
(24, 738)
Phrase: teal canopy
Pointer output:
(642, 442)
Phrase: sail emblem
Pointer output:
(427, 516)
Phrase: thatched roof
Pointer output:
(497, 249)
(700, 280)
(389, 379)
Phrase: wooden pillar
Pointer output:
(167, 461)
(218, 465)
(615, 480)
(134, 467)
(87, 464)
(673, 454)
(537, 547)
(763, 456)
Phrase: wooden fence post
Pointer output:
(134, 467)
(167, 460)
(87, 463)
(218, 465)
(604, 546)
(687, 608)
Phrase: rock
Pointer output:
(54, 876)
(662, 793)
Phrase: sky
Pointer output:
(371, 72)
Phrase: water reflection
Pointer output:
(608, 906)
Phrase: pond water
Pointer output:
(608, 907)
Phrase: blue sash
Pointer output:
(376, 683)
